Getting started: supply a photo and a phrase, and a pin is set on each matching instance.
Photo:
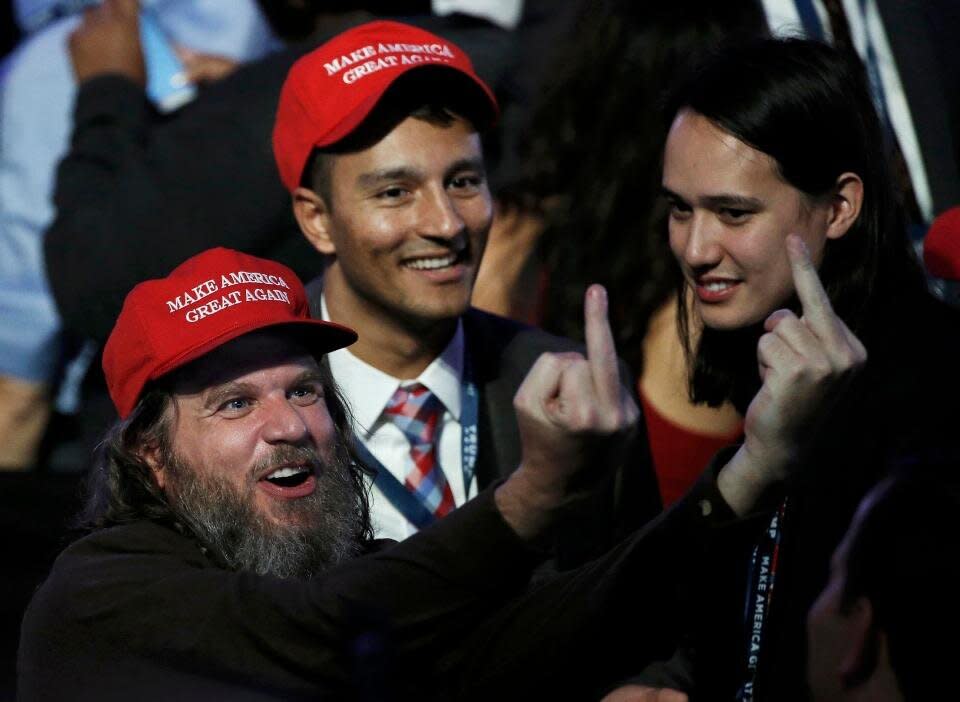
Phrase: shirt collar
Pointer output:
(368, 389)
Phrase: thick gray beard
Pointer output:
(325, 527)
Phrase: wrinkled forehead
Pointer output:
(240, 357)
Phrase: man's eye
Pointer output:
(466, 182)
(732, 214)
(305, 395)
(679, 209)
(236, 404)
(394, 193)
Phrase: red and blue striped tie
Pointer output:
(416, 412)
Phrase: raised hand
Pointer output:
(805, 364)
(573, 414)
(108, 41)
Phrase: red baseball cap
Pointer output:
(331, 91)
(210, 299)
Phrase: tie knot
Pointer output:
(416, 411)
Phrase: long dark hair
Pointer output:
(121, 487)
(807, 106)
(594, 151)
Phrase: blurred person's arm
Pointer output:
(138, 192)
(36, 93)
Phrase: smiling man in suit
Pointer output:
(378, 139)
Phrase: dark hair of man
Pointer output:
(807, 106)
(593, 150)
(435, 95)
(902, 559)
(121, 487)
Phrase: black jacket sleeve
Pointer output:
(139, 612)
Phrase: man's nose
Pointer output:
(284, 422)
(438, 216)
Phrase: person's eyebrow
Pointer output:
(372, 179)
(215, 396)
(731, 201)
(719, 201)
(466, 164)
(310, 377)
(218, 394)
(669, 194)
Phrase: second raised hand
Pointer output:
(805, 363)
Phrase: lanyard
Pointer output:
(760, 582)
(396, 492)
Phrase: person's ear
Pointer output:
(845, 205)
(860, 660)
(152, 455)
(313, 216)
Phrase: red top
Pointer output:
(679, 454)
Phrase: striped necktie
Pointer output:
(416, 412)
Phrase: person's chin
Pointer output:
(727, 322)
(438, 307)
(281, 510)
(286, 518)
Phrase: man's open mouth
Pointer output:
(289, 476)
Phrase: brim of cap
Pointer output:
(487, 110)
(318, 336)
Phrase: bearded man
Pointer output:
(231, 552)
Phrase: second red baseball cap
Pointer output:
(210, 299)
(331, 91)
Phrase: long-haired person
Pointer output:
(586, 208)
(768, 140)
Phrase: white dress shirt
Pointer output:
(367, 391)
